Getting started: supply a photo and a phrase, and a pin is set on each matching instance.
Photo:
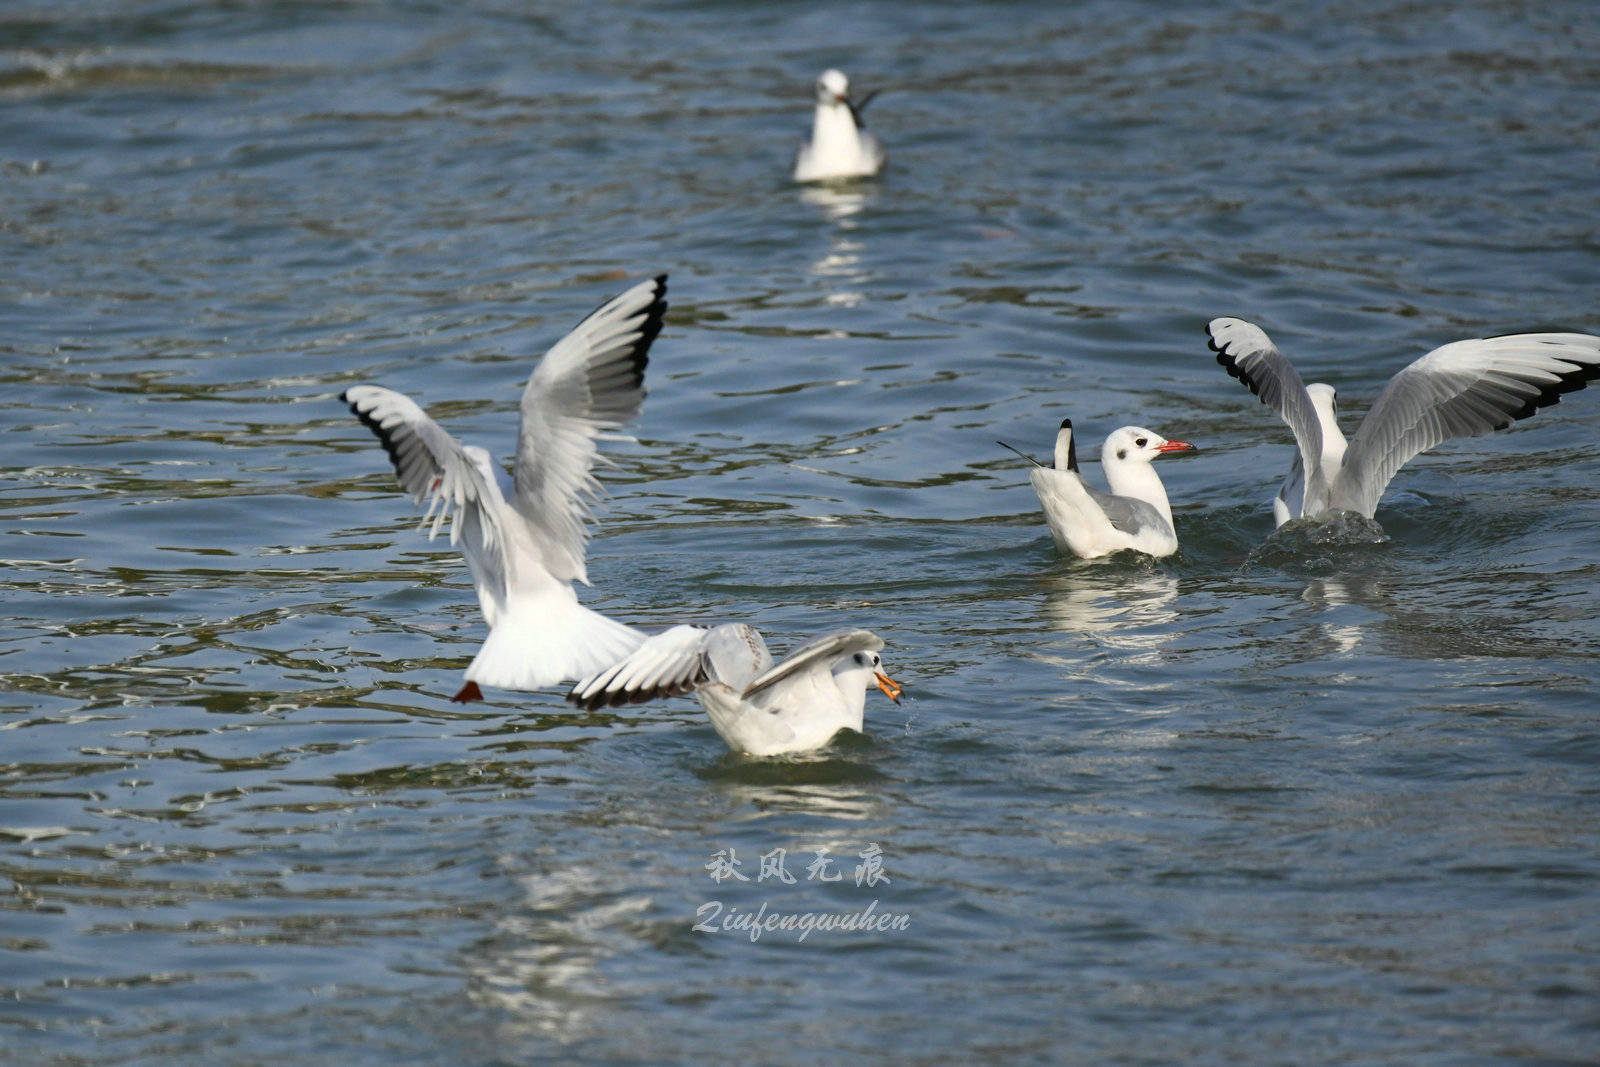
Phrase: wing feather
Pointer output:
(585, 388)
(456, 480)
(430, 464)
(820, 652)
(1462, 389)
(1245, 351)
(1125, 513)
(666, 664)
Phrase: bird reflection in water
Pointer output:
(1117, 610)
(842, 263)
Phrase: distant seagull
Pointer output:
(840, 146)
(1134, 515)
(756, 707)
(1462, 389)
(524, 539)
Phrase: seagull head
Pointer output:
(832, 87)
(1135, 444)
(1325, 399)
(870, 664)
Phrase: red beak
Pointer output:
(1176, 446)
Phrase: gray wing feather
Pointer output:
(1124, 512)
(586, 387)
(736, 654)
(819, 651)
(1462, 389)
(1245, 351)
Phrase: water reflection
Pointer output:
(1117, 610)
(842, 264)
(542, 964)
(839, 203)
(836, 802)
(1328, 594)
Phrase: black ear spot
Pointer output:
(1122, 453)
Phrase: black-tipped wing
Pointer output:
(677, 661)
(669, 663)
(429, 463)
(1245, 351)
(1462, 389)
(587, 386)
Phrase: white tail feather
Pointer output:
(555, 639)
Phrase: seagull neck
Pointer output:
(1333, 441)
(852, 682)
(1137, 480)
(833, 125)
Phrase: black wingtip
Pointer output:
(626, 697)
(1570, 382)
(1227, 362)
(1021, 453)
(384, 437)
(858, 105)
(655, 316)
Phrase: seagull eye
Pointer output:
(1141, 442)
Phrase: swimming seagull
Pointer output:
(756, 707)
(524, 539)
(1462, 389)
(840, 146)
(1135, 514)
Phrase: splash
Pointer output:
(1321, 543)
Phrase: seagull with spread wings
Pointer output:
(524, 538)
(1462, 389)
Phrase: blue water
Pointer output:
(1266, 801)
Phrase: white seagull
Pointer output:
(756, 707)
(1135, 514)
(524, 538)
(1462, 389)
(840, 146)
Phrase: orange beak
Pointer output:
(890, 687)
(1176, 446)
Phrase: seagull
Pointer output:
(1462, 389)
(840, 146)
(1135, 514)
(524, 538)
(756, 707)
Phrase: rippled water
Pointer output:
(1273, 801)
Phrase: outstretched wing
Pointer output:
(586, 387)
(455, 479)
(818, 653)
(669, 663)
(1245, 351)
(1462, 389)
